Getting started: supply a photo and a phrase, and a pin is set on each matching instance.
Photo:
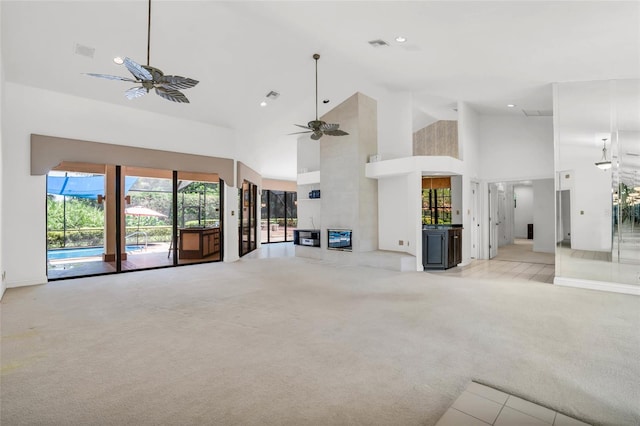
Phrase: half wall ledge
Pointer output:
(432, 165)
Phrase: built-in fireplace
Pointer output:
(339, 239)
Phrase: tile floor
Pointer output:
(501, 269)
(516, 261)
(480, 405)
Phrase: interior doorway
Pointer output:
(512, 208)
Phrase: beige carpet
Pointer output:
(295, 342)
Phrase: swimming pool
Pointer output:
(57, 254)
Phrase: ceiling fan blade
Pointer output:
(110, 77)
(329, 126)
(316, 135)
(135, 92)
(335, 133)
(299, 133)
(172, 95)
(137, 70)
(304, 127)
(176, 82)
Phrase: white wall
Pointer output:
(397, 220)
(395, 125)
(515, 148)
(3, 285)
(231, 237)
(469, 149)
(308, 152)
(523, 212)
(50, 113)
(456, 200)
(544, 227)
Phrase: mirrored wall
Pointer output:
(597, 134)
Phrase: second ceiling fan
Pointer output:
(318, 128)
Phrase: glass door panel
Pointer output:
(277, 220)
(199, 224)
(253, 222)
(291, 199)
(76, 222)
(264, 217)
(247, 222)
(148, 215)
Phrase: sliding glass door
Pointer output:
(148, 212)
(76, 222)
(247, 222)
(199, 219)
(105, 219)
(279, 216)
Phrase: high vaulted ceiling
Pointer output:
(489, 54)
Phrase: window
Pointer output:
(436, 201)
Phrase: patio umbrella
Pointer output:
(142, 211)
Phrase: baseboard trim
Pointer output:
(27, 283)
(598, 285)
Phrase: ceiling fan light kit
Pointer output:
(166, 86)
(317, 127)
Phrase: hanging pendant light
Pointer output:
(604, 164)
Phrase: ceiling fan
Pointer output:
(317, 128)
(166, 86)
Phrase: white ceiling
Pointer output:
(486, 53)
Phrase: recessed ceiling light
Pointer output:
(401, 39)
(118, 60)
(511, 105)
(263, 104)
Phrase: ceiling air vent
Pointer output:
(273, 95)
(538, 112)
(378, 43)
(85, 50)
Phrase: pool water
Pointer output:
(57, 254)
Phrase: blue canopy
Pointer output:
(82, 186)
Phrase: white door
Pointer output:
(502, 217)
(475, 222)
(494, 221)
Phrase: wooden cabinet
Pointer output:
(198, 243)
(441, 247)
